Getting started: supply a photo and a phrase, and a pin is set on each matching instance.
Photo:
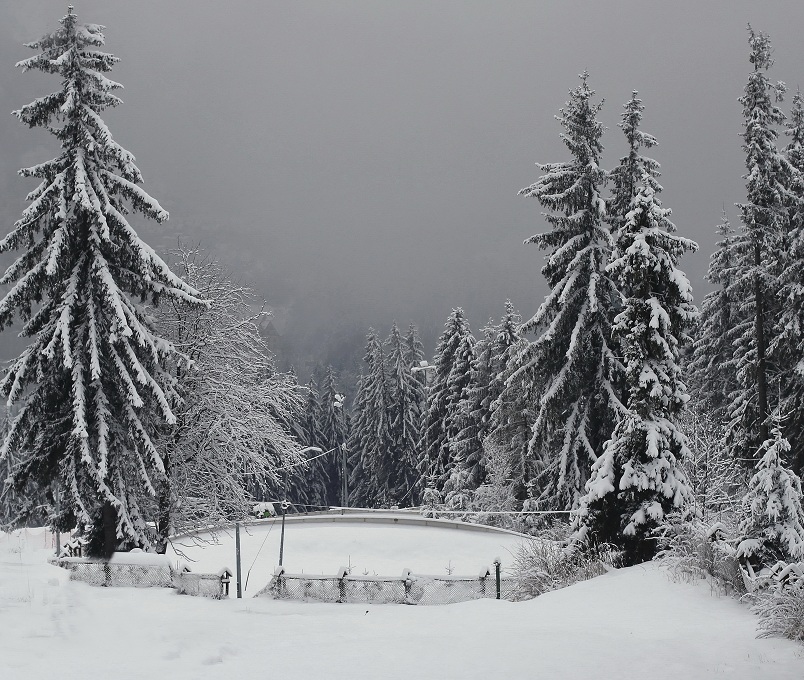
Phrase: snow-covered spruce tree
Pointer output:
(406, 418)
(415, 356)
(92, 382)
(316, 482)
(511, 413)
(370, 444)
(334, 430)
(473, 415)
(233, 432)
(312, 415)
(765, 220)
(628, 176)
(461, 430)
(639, 479)
(568, 369)
(486, 382)
(772, 527)
(787, 349)
(712, 371)
(443, 398)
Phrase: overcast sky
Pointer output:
(358, 162)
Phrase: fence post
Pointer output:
(407, 582)
(497, 571)
(342, 572)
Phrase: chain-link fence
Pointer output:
(156, 574)
(215, 586)
(109, 574)
(407, 589)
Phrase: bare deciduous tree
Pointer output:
(233, 433)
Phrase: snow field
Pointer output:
(632, 624)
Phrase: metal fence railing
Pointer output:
(406, 589)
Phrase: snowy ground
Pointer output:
(632, 623)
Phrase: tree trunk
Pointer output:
(109, 530)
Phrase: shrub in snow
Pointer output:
(541, 566)
(696, 549)
(263, 510)
(431, 500)
(781, 611)
(772, 526)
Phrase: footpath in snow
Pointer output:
(631, 623)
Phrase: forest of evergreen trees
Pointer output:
(614, 401)
(587, 406)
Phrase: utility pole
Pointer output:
(344, 479)
(283, 505)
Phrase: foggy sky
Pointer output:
(358, 162)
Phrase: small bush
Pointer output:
(781, 612)
(541, 566)
(696, 549)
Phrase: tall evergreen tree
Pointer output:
(414, 350)
(765, 221)
(371, 441)
(568, 370)
(712, 369)
(334, 431)
(787, 348)
(486, 383)
(312, 415)
(511, 415)
(639, 478)
(458, 419)
(313, 487)
(92, 382)
(473, 415)
(442, 401)
(414, 353)
(406, 417)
